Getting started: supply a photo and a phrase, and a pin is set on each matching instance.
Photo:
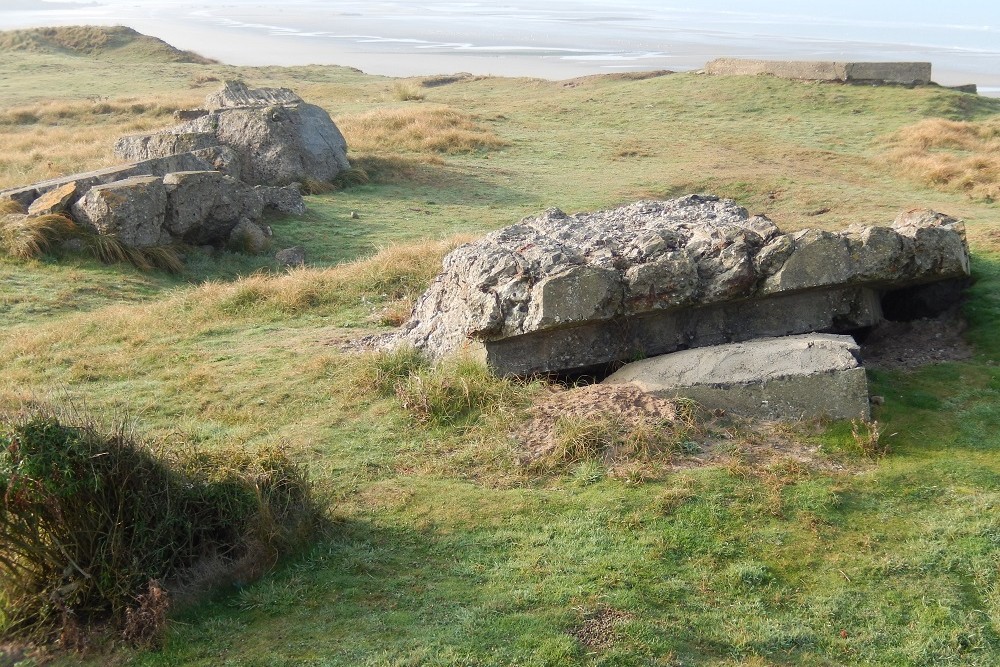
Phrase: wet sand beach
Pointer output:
(559, 40)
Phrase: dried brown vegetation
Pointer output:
(435, 129)
(951, 155)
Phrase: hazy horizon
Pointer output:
(561, 39)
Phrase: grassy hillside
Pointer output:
(791, 546)
(118, 42)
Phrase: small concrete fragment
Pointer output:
(132, 210)
(793, 377)
(289, 257)
(57, 200)
(286, 200)
(247, 236)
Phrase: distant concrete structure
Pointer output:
(902, 73)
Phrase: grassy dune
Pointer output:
(449, 548)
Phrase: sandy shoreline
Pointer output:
(509, 41)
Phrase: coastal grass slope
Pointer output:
(818, 544)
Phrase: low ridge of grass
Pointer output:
(95, 41)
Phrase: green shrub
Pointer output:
(91, 521)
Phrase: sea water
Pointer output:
(555, 39)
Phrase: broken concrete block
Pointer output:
(131, 210)
(205, 206)
(57, 200)
(793, 377)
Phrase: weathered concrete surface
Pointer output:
(153, 167)
(205, 206)
(236, 94)
(565, 294)
(270, 135)
(57, 200)
(135, 148)
(589, 347)
(287, 200)
(905, 73)
(794, 377)
(132, 210)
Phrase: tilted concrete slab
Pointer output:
(155, 167)
(793, 377)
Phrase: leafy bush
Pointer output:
(91, 521)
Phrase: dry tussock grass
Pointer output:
(418, 128)
(65, 137)
(30, 237)
(951, 155)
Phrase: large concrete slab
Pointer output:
(904, 73)
(792, 377)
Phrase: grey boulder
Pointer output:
(267, 136)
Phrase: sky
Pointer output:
(554, 39)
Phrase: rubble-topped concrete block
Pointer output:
(565, 294)
(235, 94)
(793, 377)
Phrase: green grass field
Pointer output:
(447, 550)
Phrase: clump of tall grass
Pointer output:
(92, 520)
(405, 91)
(609, 438)
(28, 237)
(955, 156)
(458, 390)
(436, 129)
(109, 250)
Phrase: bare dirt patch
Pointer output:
(709, 438)
(598, 630)
(908, 345)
